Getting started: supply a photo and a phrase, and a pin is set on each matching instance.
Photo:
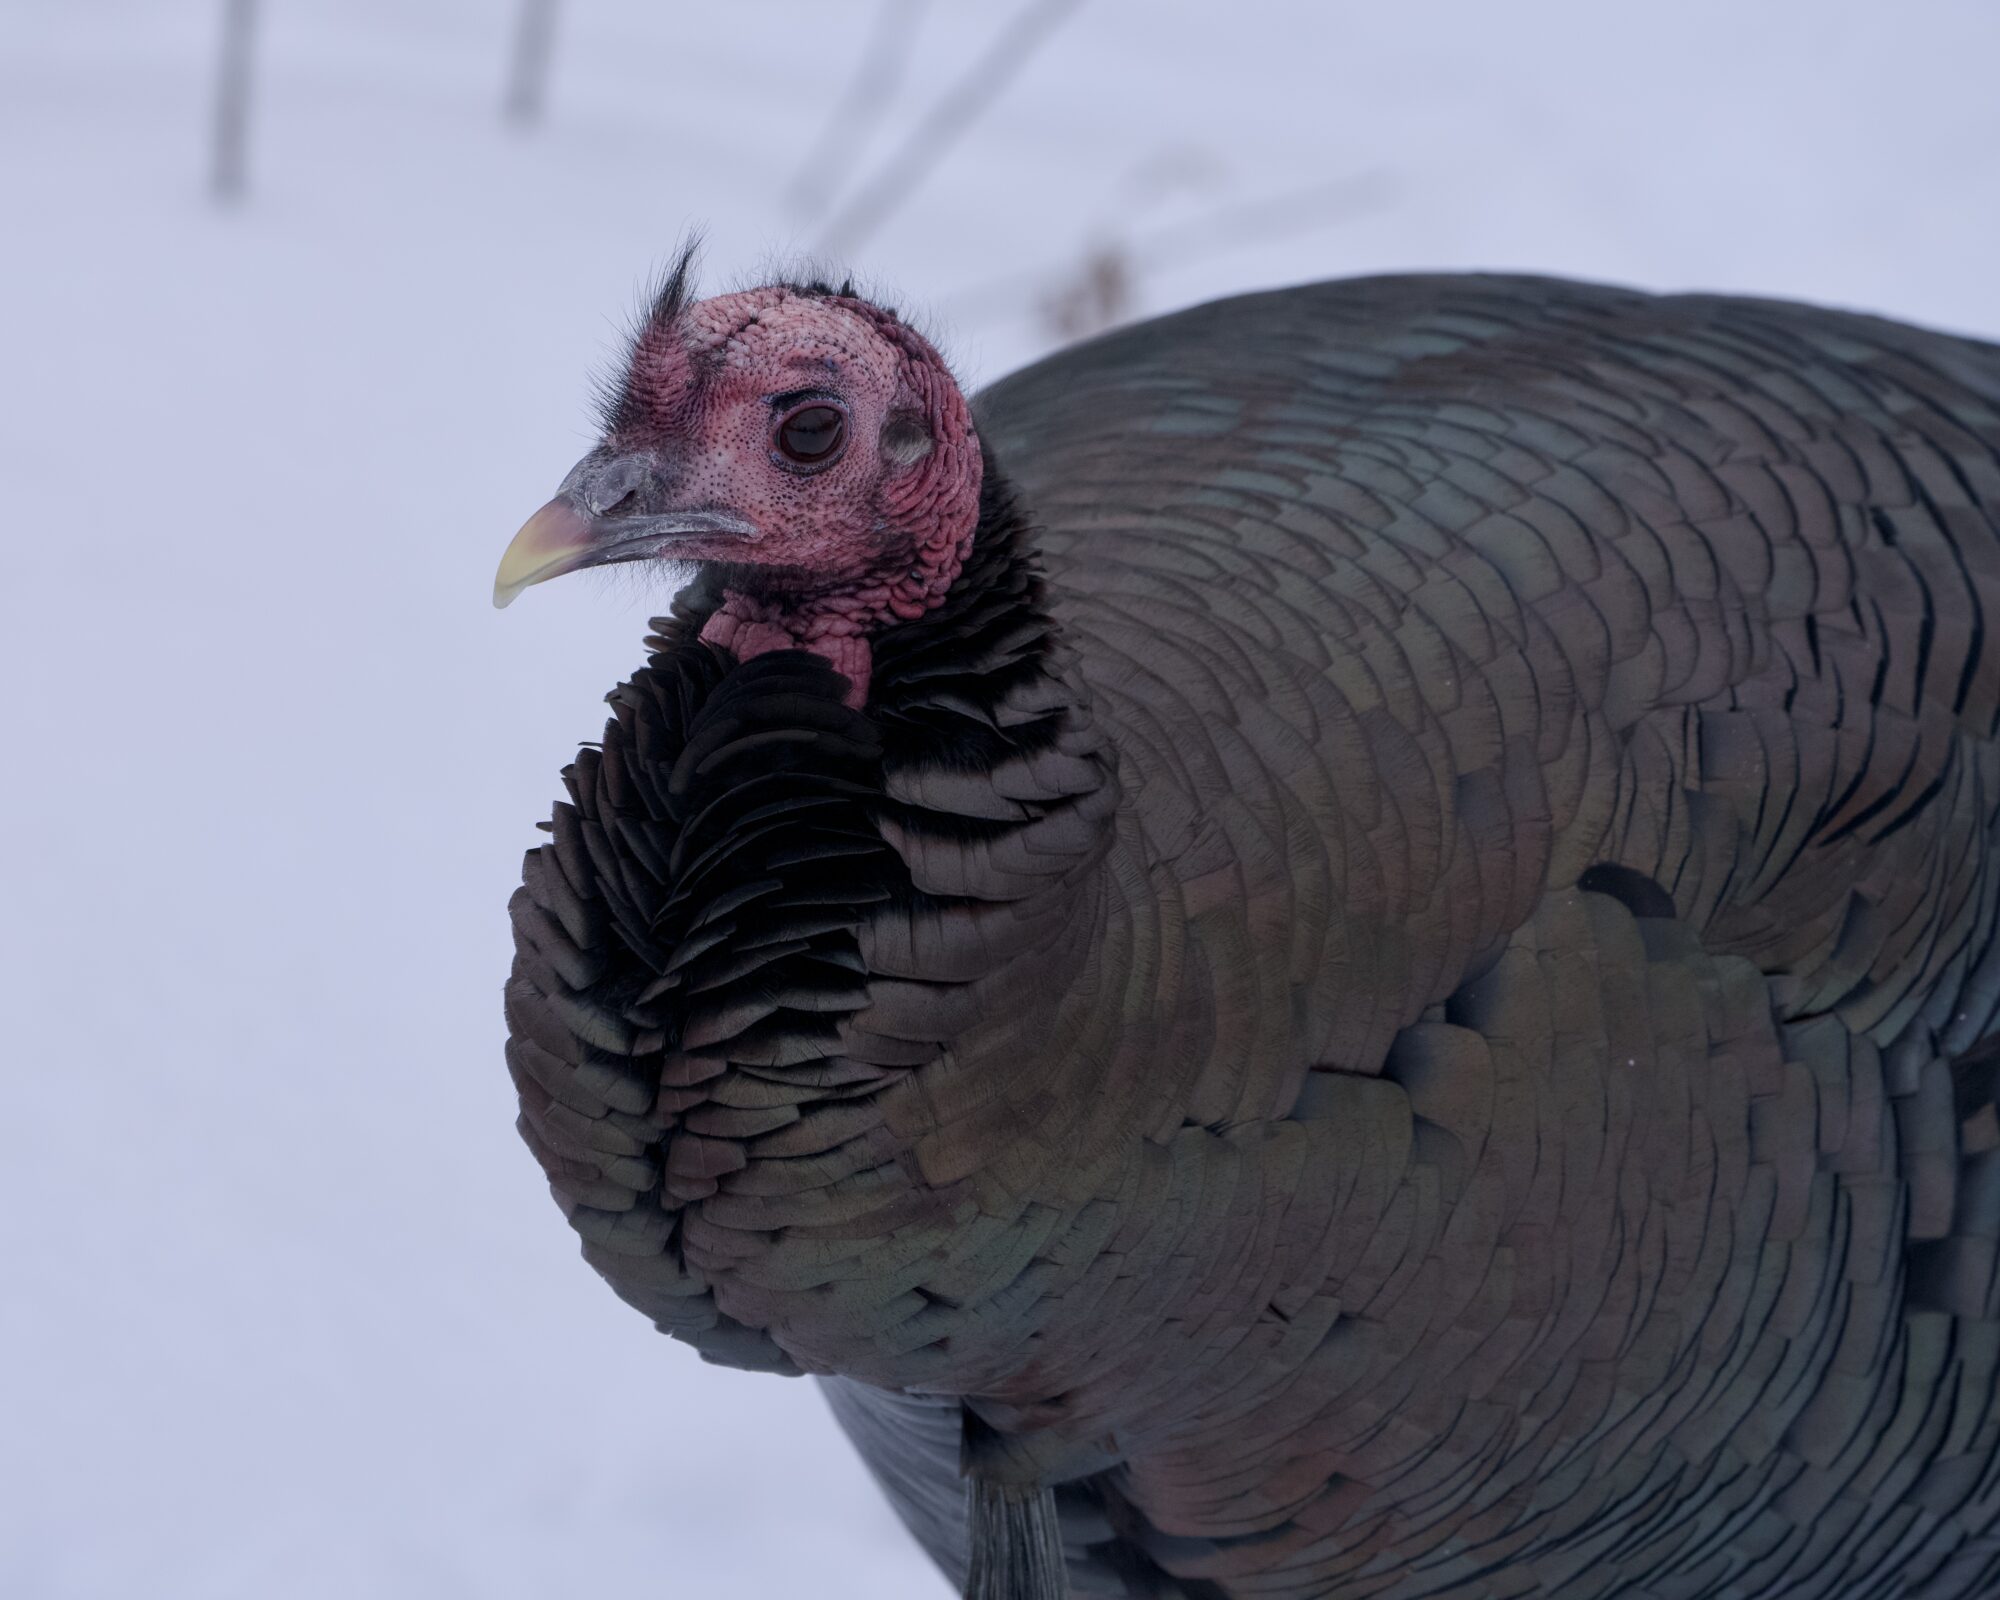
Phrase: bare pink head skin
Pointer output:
(695, 466)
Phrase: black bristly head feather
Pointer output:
(675, 290)
(671, 293)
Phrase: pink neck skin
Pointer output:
(928, 511)
(747, 627)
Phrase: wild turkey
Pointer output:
(1347, 944)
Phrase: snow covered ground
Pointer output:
(284, 1309)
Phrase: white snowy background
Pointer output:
(284, 1308)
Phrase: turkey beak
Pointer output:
(615, 509)
(556, 539)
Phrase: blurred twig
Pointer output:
(1093, 298)
(528, 76)
(947, 120)
(230, 156)
(1176, 244)
(860, 106)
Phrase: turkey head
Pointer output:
(804, 442)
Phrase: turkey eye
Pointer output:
(812, 433)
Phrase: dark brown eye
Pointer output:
(812, 433)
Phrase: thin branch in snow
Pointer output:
(528, 76)
(1316, 206)
(230, 152)
(860, 106)
(1098, 294)
(1096, 286)
(944, 124)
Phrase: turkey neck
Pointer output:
(801, 903)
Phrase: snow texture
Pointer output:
(286, 1311)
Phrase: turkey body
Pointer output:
(1417, 1019)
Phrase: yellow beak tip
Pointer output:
(555, 540)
